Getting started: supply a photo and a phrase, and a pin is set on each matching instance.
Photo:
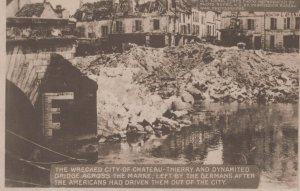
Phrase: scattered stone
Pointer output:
(149, 114)
(284, 77)
(185, 122)
(241, 45)
(102, 140)
(179, 114)
(196, 93)
(123, 135)
(187, 97)
(136, 127)
(168, 122)
(149, 129)
(113, 138)
(179, 105)
(157, 127)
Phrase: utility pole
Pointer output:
(265, 36)
(173, 38)
(115, 7)
(235, 31)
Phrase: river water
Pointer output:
(233, 134)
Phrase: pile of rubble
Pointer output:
(243, 76)
(213, 74)
(147, 90)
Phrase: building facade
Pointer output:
(155, 23)
(124, 22)
(270, 30)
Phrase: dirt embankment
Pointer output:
(147, 90)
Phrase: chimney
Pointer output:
(58, 7)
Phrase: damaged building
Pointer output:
(25, 8)
(212, 26)
(34, 35)
(276, 31)
(112, 25)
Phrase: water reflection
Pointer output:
(266, 136)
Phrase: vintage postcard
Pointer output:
(190, 94)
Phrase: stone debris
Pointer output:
(148, 90)
(178, 114)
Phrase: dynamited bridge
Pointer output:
(50, 105)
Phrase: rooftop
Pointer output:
(32, 10)
(94, 11)
(104, 9)
(159, 6)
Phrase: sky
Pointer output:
(71, 5)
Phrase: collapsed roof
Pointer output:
(33, 10)
(183, 6)
(94, 11)
(158, 6)
(105, 9)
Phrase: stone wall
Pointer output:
(26, 70)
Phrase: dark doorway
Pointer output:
(157, 41)
(291, 41)
(272, 42)
(257, 42)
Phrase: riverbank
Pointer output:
(150, 91)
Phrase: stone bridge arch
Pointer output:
(25, 71)
(50, 102)
(63, 99)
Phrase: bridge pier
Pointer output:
(49, 101)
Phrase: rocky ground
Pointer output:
(148, 90)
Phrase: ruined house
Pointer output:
(192, 22)
(196, 22)
(278, 31)
(156, 23)
(39, 10)
(96, 11)
(124, 22)
(184, 14)
(40, 34)
(42, 10)
(212, 26)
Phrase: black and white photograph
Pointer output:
(201, 83)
